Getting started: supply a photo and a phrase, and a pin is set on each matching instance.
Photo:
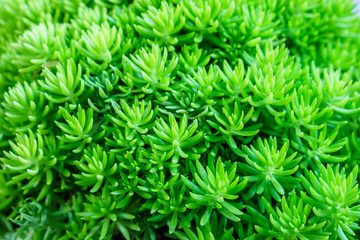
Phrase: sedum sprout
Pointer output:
(179, 119)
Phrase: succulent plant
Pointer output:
(179, 119)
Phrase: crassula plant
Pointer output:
(179, 119)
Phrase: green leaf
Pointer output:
(206, 216)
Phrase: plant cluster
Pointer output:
(179, 119)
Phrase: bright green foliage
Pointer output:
(87, 17)
(8, 194)
(109, 3)
(269, 169)
(37, 46)
(211, 230)
(179, 119)
(319, 148)
(25, 107)
(304, 112)
(231, 125)
(172, 206)
(102, 45)
(121, 141)
(271, 79)
(202, 83)
(79, 129)
(156, 188)
(191, 56)
(334, 196)
(246, 27)
(215, 189)
(326, 22)
(137, 119)
(162, 25)
(19, 15)
(201, 17)
(77, 228)
(108, 211)
(66, 85)
(331, 53)
(147, 73)
(33, 159)
(176, 139)
(235, 82)
(194, 97)
(338, 90)
(44, 224)
(291, 221)
(96, 167)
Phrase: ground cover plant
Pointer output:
(179, 119)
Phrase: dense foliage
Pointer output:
(179, 119)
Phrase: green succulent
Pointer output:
(231, 127)
(148, 73)
(44, 223)
(96, 167)
(338, 90)
(179, 119)
(215, 189)
(216, 228)
(135, 119)
(101, 46)
(109, 212)
(303, 112)
(191, 56)
(201, 17)
(176, 138)
(248, 27)
(25, 107)
(291, 221)
(271, 86)
(173, 206)
(333, 195)
(33, 159)
(37, 46)
(87, 17)
(163, 24)
(64, 86)
(269, 168)
(319, 148)
(234, 81)
(79, 129)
